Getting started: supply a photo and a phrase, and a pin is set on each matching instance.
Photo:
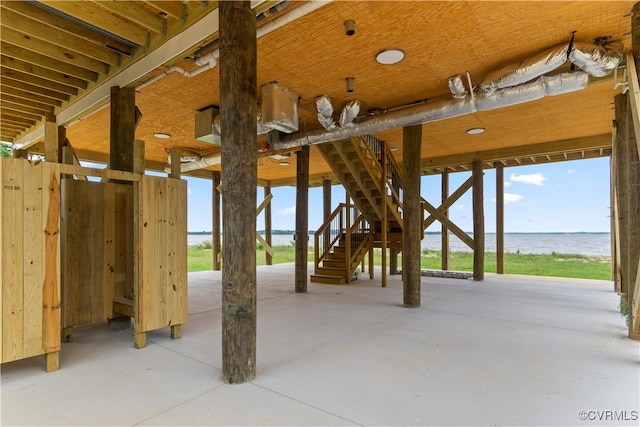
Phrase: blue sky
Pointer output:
(569, 196)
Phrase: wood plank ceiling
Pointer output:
(55, 53)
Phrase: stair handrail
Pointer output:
(329, 233)
(382, 153)
(362, 229)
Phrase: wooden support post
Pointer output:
(67, 158)
(393, 261)
(176, 158)
(123, 125)
(633, 213)
(347, 238)
(444, 248)
(21, 154)
(412, 230)
(326, 209)
(267, 225)
(499, 217)
(622, 189)
(121, 157)
(51, 313)
(384, 220)
(238, 89)
(51, 144)
(478, 221)
(216, 221)
(302, 218)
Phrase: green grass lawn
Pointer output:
(558, 265)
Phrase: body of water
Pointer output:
(526, 243)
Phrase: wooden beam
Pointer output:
(18, 111)
(122, 134)
(44, 61)
(412, 231)
(574, 144)
(55, 28)
(238, 101)
(51, 50)
(134, 13)
(267, 226)
(216, 220)
(38, 85)
(6, 117)
(41, 72)
(94, 15)
(302, 219)
(449, 201)
(173, 9)
(21, 103)
(478, 221)
(33, 96)
(444, 248)
(499, 218)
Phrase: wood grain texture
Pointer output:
(238, 88)
(50, 289)
(12, 260)
(412, 230)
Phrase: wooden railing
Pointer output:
(381, 152)
(334, 229)
(361, 239)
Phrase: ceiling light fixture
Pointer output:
(475, 131)
(284, 164)
(161, 135)
(390, 56)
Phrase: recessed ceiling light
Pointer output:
(475, 131)
(390, 56)
(161, 135)
(284, 164)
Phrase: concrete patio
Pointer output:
(511, 350)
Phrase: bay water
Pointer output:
(592, 244)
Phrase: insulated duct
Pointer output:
(509, 86)
(598, 61)
(325, 112)
(456, 86)
(350, 113)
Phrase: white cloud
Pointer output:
(507, 184)
(190, 191)
(459, 207)
(288, 211)
(512, 198)
(534, 178)
(571, 171)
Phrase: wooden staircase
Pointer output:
(371, 177)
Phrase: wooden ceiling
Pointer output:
(56, 53)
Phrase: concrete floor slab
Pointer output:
(511, 350)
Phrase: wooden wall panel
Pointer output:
(162, 295)
(25, 200)
(12, 261)
(89, 267)
(35, 184)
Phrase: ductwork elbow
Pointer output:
(324, 107)
(350, 113)
(595, 60)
